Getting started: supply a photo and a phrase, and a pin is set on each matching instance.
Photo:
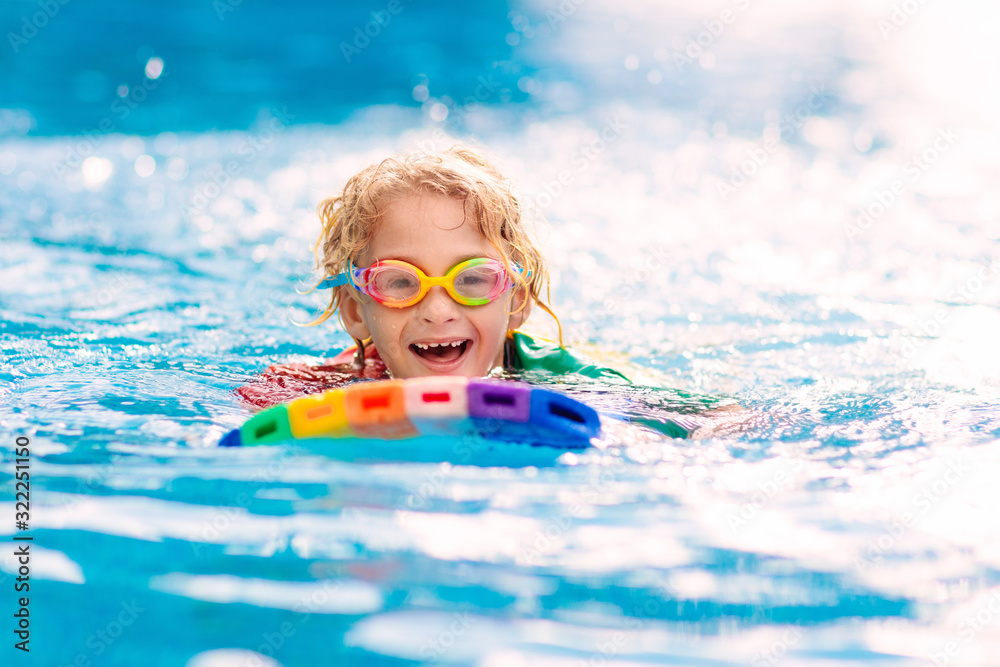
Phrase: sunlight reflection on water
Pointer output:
(720, 223)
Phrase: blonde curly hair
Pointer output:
(349, 219)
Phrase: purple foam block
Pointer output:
(507, 401)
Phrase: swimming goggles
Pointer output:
(398, 284)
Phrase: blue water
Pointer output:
(799, 215)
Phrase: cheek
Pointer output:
(384, 323)
(492, 325)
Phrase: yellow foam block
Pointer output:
(323, 415)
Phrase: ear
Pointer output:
(520, 302)
(352, 313)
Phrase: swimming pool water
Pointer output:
(800, 217)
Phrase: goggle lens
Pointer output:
(394, 283)
(479, 282)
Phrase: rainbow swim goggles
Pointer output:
(398, 284)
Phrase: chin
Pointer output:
(465, 370)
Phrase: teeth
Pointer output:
(424, 346)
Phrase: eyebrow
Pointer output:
(410, 260)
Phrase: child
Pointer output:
(431, 272)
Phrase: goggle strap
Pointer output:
(333, 281)
(348, 277)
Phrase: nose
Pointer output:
(437, 307)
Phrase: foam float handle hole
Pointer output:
(565, 412)
(265, 429)
(372, 402)
(320, 411)
(498, 399)
(436, 397)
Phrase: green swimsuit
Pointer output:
(524, 353)
(670, 411)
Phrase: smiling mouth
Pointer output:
(441, 352)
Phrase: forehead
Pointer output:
(431, 231)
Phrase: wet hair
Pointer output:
(350, 218)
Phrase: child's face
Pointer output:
(432, 233)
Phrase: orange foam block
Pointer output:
(378, 410)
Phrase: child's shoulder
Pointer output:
(284, 382)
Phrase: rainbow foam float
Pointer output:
(396, 409)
